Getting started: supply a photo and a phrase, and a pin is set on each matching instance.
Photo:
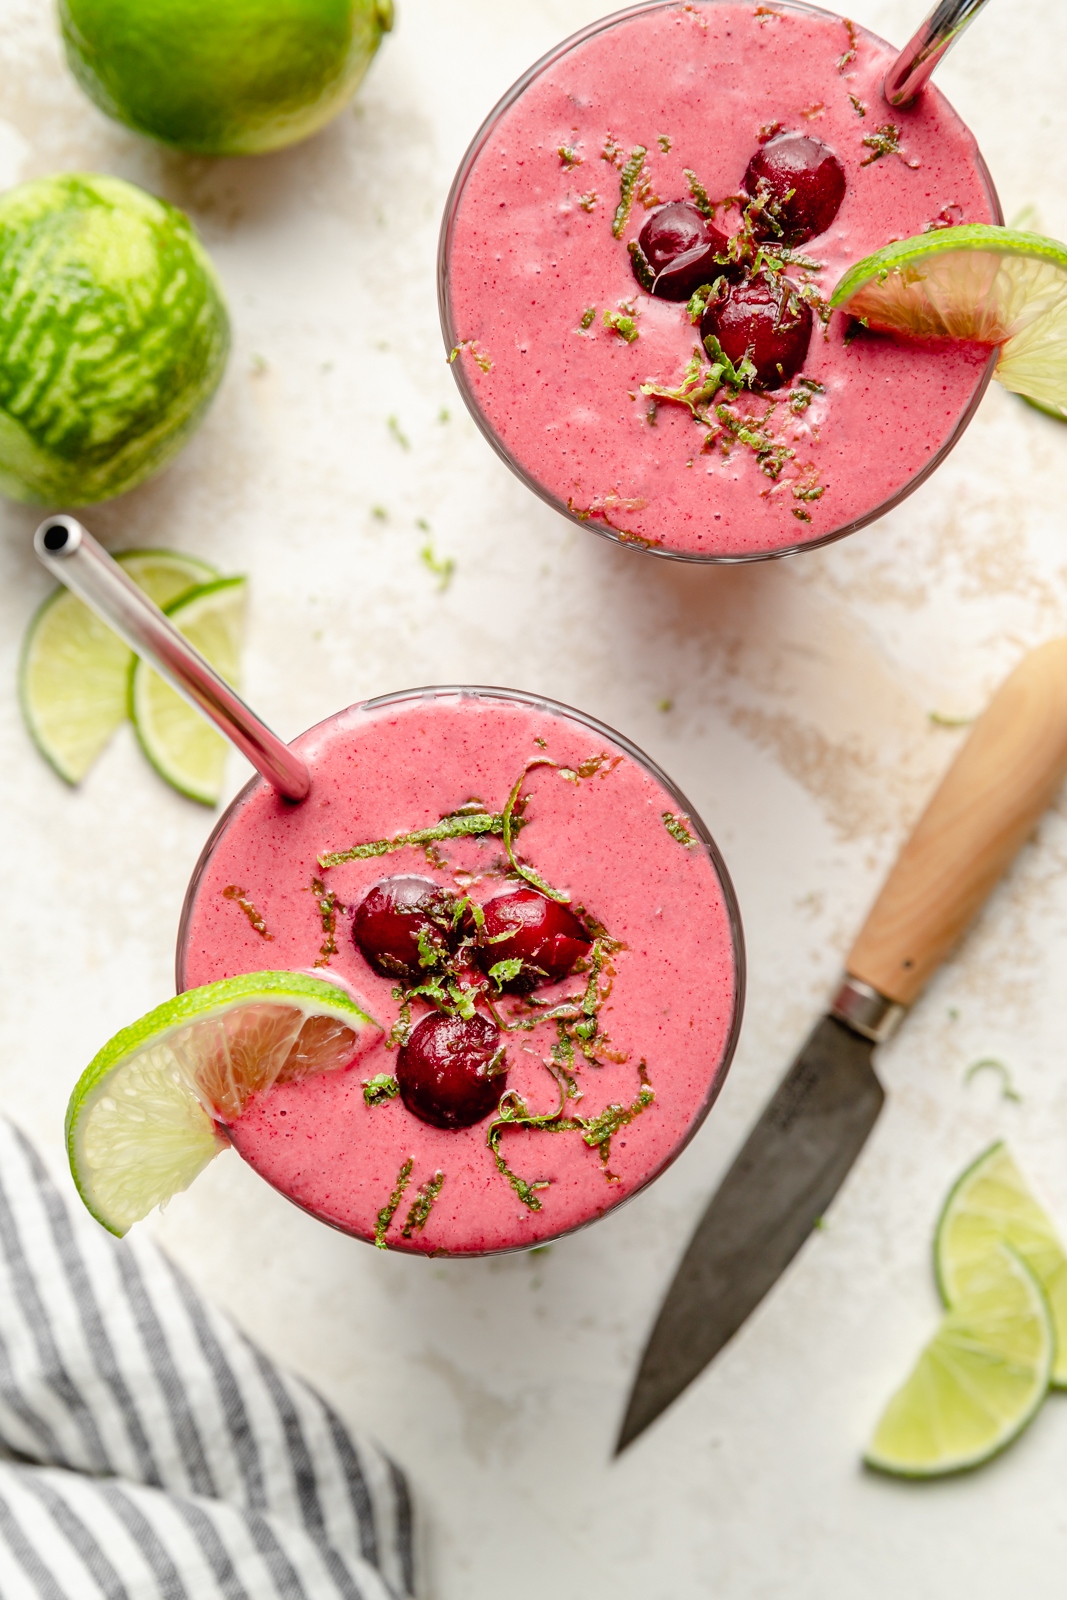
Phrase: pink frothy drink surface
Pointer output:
(600, 826)
(531, 266)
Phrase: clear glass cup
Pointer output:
(265, 848)
(508, 422)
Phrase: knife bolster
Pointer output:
(870, 1014)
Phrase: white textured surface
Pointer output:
(801, 692)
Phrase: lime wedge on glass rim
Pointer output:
(992, 1203)
(996, 286)
(149, 1112)
(74, 671)
(978, 1382)
(182, 745)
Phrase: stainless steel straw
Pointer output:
(70, 552)
(915, 63)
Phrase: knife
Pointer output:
(806, 1140)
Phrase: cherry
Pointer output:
(452, 1071)
(810, 169)
(543, 934)
(763, 319)
(390, 918)
(679, 244)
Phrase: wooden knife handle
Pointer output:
(988, 804)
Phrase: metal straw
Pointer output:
(906, 77)
(71, 553)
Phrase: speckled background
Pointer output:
(799, 724)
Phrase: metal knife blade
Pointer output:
(789, 1169)
(797, 1156)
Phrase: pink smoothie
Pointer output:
(606, 831)
(528, 253)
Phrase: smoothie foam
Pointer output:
(528, 252)
(674, 1004)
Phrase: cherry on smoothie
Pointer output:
(390, 918)
(764, 320)
(679, 245)
(452, 1071)
(804, 183)
(541, 933)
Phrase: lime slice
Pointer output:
(989, 1203)
(979, 1381)
(73, 676)
(182, 746)
(993, 285)
(148, 1113)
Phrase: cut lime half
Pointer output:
(979, 1381)
(148, 1112)
(183, 747)
(990, 1203)
(74, 671)
(993, 285)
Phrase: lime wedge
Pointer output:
(148, 1113)
(74, 670)
(989, 1203)
(993, 285)
(182, 746)
(979, 1381)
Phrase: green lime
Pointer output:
(74, 672)
(992, 285)
(183, 747)
(991, 1203)
(148, 1113)
(979, 1381)
(113, 337)
(223, 77)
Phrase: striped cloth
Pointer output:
(148, 1451)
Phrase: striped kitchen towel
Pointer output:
(148, 1451)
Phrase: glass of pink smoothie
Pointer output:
(572, 932)
(706, 130)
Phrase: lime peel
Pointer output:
(150, 1111)
(976, 282)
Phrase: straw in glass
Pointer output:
(909, 73)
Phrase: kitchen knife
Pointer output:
(801, 1149)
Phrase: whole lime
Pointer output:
(223, 77)
(113, 337)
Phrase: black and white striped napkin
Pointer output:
(148, 1451)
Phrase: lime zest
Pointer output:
(389, 1210)
(453, 827)
(422, 1205)
(240, 897)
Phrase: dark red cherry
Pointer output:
(390, 918)
(452, 1071)
(810, 169)
(541, 933)
(679, 246)
(764, 320)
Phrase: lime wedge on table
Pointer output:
(183, 747)
(979, 1381)
(993, 285)
(143, 1119)
(991, 1203)
(74, 670)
